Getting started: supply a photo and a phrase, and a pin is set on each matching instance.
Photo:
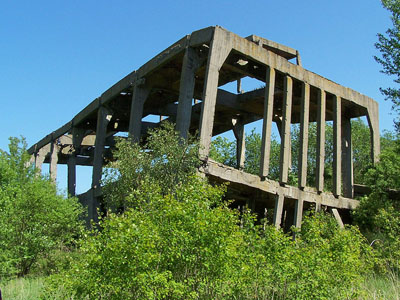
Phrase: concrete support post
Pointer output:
(77, 137)
(103, 118)
(303, 149)
(238, 130)
(347, 158)
(53, 160)
(337, 146)
(219, 50)
(267, 122)
(279, 201)
(336, 214)
(285, 141)
(373, 122)
(71, 184)
(139, 96)
(298, 211)
(320, 140)
(186, 90)
(41, 156)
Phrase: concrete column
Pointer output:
(219, 51)
(103, 118)
(139, 96)
(186, 89)
(337, 146)
(347, 158)
(238, 130)
(53, 160)
(373, 122)
(336, 214)
(267, 122)
(285, 141)
(303, 149)
(41, 156)
(320, 140)
(279, 201)
(298, 211)
(71, 163)
(77, 137)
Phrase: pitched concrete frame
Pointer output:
(226, 41)
(220, 43)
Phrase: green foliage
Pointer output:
(186, 243)
(389, 48)
(166, 159)
(379, 213)
(34, 219)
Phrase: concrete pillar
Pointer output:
(219, 51)
(186, 89)
(337, 146)
(285, 141)
(41, 156)
(139, 96)
(77, 137)
(71, 180)
(373, 122)
(279, 201)
(320, 141)
(347, 158)
(303, 149)
(298, 212)
(267, 122)
(103, 118)
(238, 130)
(336, 214)
(53, 160)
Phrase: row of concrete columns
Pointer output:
(217, 55)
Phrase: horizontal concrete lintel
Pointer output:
(230, 174)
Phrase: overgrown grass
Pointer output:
(375, 288)
(382, 287)
(22, 288)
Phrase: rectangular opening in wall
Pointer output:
(361, 146)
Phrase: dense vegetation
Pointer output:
(168, 234)
(177, 239)
(34, 219)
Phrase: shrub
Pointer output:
(34, 219)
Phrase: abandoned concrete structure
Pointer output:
(181, 85)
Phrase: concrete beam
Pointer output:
(224, 173)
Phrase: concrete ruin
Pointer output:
(181, 85)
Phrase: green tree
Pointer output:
(34, 219)
(166, 158)
(389, 46)
(186, 243)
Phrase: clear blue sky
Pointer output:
(57, 56)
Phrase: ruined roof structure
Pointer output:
(181, 84)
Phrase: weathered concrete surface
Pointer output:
(196, 68)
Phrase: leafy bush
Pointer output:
(34, 219)
(184, 242)
(379, 213)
